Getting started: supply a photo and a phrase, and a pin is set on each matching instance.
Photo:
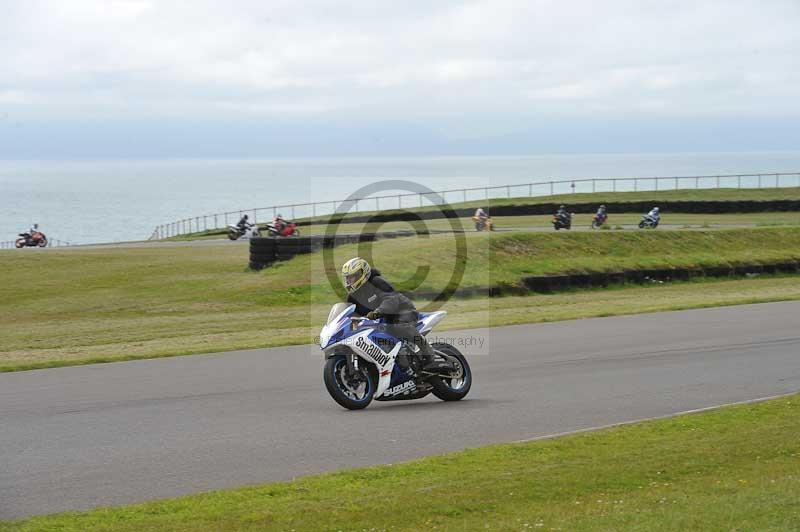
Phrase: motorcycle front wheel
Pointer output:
(452, 389)
(42, 243)
(352, 390)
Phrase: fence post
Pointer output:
(656, 184)
(614, 184)
(717, 181)
(777, 180)
(486, 193)
(530, 190)
(399, 202)
(551, 188)
(377, 204)
(759, 180)
(739, 181)
(594, 185)
(635, 185)
(676, 183)
(696, 183)
(293, 215)
(464, 194)
(508, 191)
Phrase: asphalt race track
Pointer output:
(112, 434)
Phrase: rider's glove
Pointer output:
(373, 315)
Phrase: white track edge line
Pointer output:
(655, 418)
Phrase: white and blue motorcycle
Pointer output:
(361, 362)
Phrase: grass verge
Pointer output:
(735, 468)
(102, 305)
(686, 195)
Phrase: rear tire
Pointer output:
(641, 225)
(337, 388)
(233, 235)
(452, 389)
(20, 243)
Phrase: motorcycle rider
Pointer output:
(279, 223)
(243, 224)
(601, 213)
(481, 214)
(374, 298)
(562, 213)
(654, 214)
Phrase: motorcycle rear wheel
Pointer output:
(233, 235)
(340, 385)
(452, 389)
(20, 243)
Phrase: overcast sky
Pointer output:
(97, 78)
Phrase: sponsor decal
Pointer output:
(373, 298)
(375, 352)
(405, 388)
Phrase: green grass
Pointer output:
(721, 194)
(99, 305)
(735, 468)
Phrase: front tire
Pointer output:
(353, 392)
(452, 389)
(42, 243)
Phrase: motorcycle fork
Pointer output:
(352, 364)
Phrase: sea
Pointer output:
(95, 201)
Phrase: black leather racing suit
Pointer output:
(378, 295)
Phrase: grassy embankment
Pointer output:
(763, 194)
(78, 306)
(736, 468)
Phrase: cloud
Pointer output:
(386, 60)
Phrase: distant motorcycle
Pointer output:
(483, 224)
(33, 240)
(289, 229)
(599, 220)
(236, 232)
(562, 222)
(648, 222)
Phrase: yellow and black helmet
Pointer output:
(355, 273)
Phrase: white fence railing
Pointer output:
(51, 243)
(209, 222)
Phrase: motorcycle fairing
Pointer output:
(338, 332)
(429, 320)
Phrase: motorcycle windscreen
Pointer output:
(337, 310)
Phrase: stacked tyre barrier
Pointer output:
(556, 283)
(266, 251)
(672, 206)
(548, 284)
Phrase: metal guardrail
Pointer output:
(210, 222)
